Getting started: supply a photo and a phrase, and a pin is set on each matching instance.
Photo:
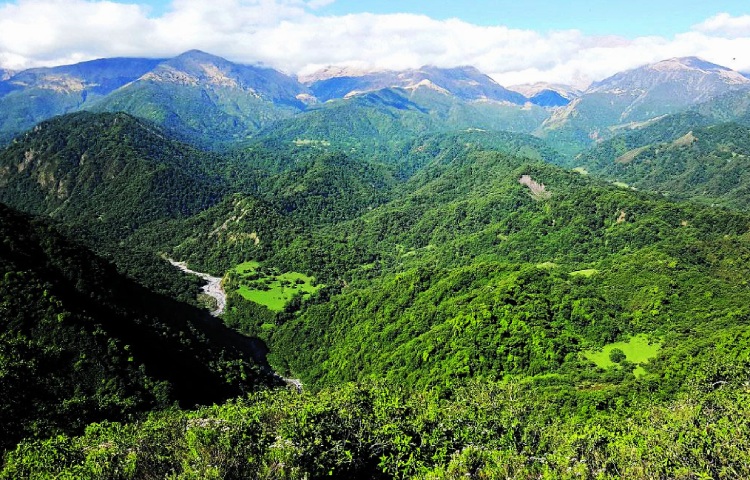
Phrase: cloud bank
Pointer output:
(290, 36)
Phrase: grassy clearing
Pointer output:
(547, 265)
(315, 143)
(270, 288)
(637, 350)
(584, 273)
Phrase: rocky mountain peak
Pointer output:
(336, 71)
(686, 72)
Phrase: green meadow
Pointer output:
(270, 288)
(589, 272)
(637, 349)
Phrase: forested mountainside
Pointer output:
(31, 96)
(81, 343)
(694, 155)
(639, 95)
(707, 163)
(106, 175)
(413, 291)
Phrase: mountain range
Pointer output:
(196, 92)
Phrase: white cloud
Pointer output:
(287, 34)
(44, 32)
(724, 25)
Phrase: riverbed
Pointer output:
(212, 288)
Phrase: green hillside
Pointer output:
(81, 343)
(106, 171)
(472, 275)
(446, 303)
(365, 123)
(705, 163)
(104, 176)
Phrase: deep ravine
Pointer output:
(214, 289)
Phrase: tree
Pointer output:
(617, 355)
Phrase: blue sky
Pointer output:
(595, 17)
(573, 41)
(630, 19)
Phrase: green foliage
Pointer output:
(482, 430)
(452, 288)
(617, 356)
(681, 157)
(466, 287)
(81, 343)
(391, 116)
(208, 117)
(106, 176)
(269, 288)
(638, 349)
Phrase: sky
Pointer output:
(571, 42)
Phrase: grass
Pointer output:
(547, 265)
(589, 272)
(270, 288)
(637, 350)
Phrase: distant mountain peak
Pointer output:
(195, 53)
(463, 82)
(686, 63)
(196, 67)
(194, 59)
(465, 69)
(706, 77)
(336, 71)
(531, 89)
(426, 83)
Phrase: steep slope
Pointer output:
(107, 175)
(672, 83)
(34, 95)
(639, 95)
(208, 99)
(80, 343)
(465, 83)
(491, 280)
(321, 189)
(494, 266)
(731, 107)
(707, 164)
(109, 172)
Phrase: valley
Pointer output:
(452, 279)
